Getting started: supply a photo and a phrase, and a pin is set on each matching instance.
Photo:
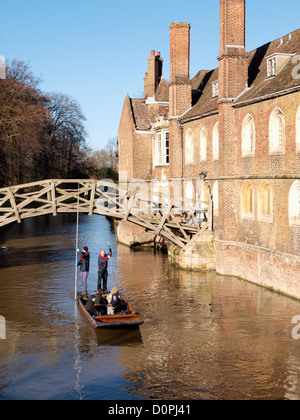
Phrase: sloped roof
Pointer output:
(140, 114)
(202, 94)
(143, 114)
(162, 91)
(259, 84)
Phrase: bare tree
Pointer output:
(104, 162)
(22, 118)
(63, 144)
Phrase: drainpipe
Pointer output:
(181, 134)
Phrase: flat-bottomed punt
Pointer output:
(131, 320)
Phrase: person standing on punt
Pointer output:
(84, 264)
(102, 269)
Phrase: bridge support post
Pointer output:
(14, 204)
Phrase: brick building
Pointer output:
(240, 123)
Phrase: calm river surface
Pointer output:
(205, 336)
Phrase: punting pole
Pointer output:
(77, 243)
(112, 269)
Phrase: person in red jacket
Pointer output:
(102, 269)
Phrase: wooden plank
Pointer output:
(92, 198)
(179, 227)
(165, 216)
(195, 237)
(129, 207)
(33, 199)
(53, 198)
(4, 199)
(14, 204)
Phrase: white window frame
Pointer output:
(203, 144)
(277, 138)
(265, 203)
(189, 147)
(216, 141)
(272, 66)
(248, 136)
(162, 149)
(294, 204)
(215, 89)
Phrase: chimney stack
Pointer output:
(233, 79)
(154, 75)
(180, 91)
(233, 58)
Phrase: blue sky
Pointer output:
(96, 51)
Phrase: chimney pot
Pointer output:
(153, 52)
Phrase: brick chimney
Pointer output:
(233, 79)
(180, 91)
(233, 58)
(154, 75)
(180, 68)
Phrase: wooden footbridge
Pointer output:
(163, 216)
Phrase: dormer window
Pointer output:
(276, 62)
(272, 66)
(215, 89)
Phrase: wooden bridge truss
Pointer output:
(163, 217)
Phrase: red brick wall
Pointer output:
(126, 129)
(142, 155)
(210, 165)
(180, 92)
(179, 50)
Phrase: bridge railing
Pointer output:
(177, 219)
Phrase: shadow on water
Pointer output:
(119, 338)
(34, 255)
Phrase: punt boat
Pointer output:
(128, 320)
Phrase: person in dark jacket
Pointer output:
(90, 306)
(84, 264)
(101, 302)
(102, 269)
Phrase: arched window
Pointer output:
(247, 205)
(248, 137)
(277, 132)
(294, 204)
(298, 130)
(216, 142)
(189, 146)
(203, 144)
(189, 193)
(265, 202)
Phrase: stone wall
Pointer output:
(265, 267)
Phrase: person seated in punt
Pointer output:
(100, 302)
(90, 306)
(117, 302)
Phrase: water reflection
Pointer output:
(204, 337)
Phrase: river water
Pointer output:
(205, 336)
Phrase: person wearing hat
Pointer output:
(84, 264)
